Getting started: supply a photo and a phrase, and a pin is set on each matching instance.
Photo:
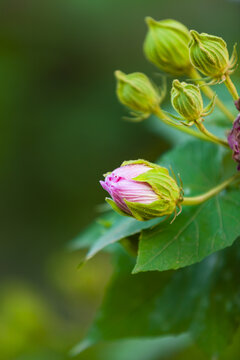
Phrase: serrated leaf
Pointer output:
(199, 230)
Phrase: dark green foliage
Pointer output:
(202, 300)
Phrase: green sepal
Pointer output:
(147, 163)
(210, 107)
(115, 207)
(143, 212)
(136, 116)
(174, 117)
(233, 59)
(162, 184)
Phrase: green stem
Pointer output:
(165, 119)
(211, 136)
(196, 200)
(231, 88)
(194, 74)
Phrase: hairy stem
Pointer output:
(211, 136)
(231, 88)
(194, 74)
(196, 200)
(164, 118)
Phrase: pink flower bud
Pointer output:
(121, 186)
(142, 190)
(234, 140)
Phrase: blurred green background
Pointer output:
(61, 128)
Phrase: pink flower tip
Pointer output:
(121, 186)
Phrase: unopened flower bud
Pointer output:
(237, 104)
(166, 46)
(209, 54)
(137, 92)
(234, 140)
(142, 190)
(187, 100)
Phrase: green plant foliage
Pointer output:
(96, 230)
(200, 230)
(121, 228)
(201, 300)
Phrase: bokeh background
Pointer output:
(60, 129)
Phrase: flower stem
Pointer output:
(194, 74)
(211, 136)
(231, 88)
(196, 200)
(165, 119)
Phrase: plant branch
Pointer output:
(211, 136)
(196, 200)
(231, 88)
(167, 120)
(194, 74)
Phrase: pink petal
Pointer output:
(130, 171)
(120, 186)
(133, 191)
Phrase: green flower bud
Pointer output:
(209, 54)
(166, 46)
(137, 92)
(187, 100)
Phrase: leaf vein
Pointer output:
(177, 235)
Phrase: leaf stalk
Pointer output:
(196, 200)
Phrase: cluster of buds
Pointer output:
(143, 190)
(175, 50)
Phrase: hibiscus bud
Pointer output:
(142, 190)
(234, 140)
(187, 100)
(137, 92)
(237, 104)
(166, 46)
(209, 54)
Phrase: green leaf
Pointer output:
(162, 348)
(196, 233)
(199, 230)
(106, 230)
(121, 228)
(202, 300)
(94, 231)
(115, 207)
